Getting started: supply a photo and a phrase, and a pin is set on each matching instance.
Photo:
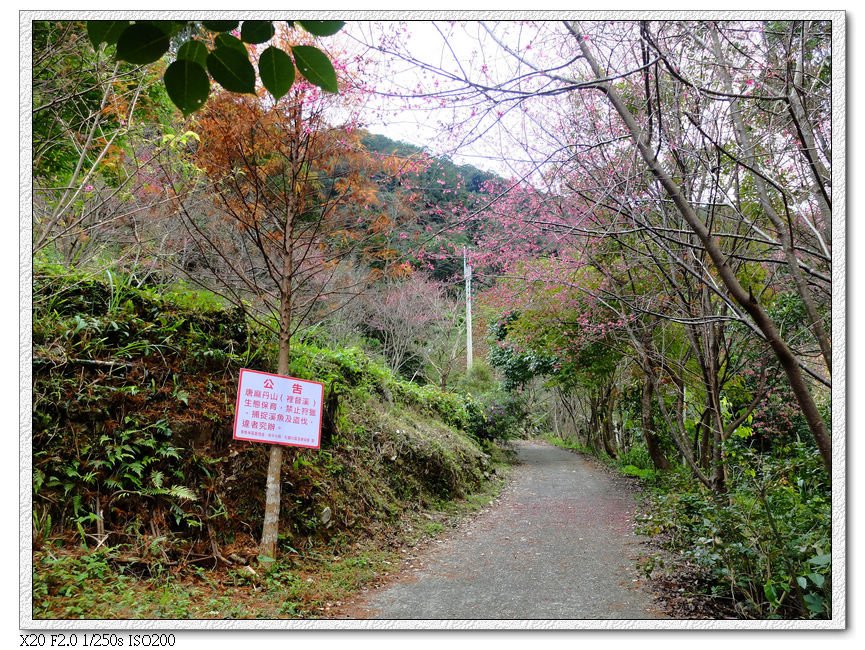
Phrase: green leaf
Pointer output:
(315, 66)
(220, 25)
(322, 27)
(169, 27)
(771, 594)
(105, 31)
(195, 51)
(276, 70)
(820, 560)
(803, 582)
(814, 602)
(142, 43)
(817, 579)
(232, 70)
(743, 432)
(183, 492)
(187, 85)
(256, 31)
(229, 41)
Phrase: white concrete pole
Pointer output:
(467, 271)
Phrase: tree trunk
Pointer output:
(659, 460)
(677, 423)
(705, 341)
(607, 424)
(705, 448)
(270, 531)
(607, 438)
(273, 492)
(571, 414)
(594, 429)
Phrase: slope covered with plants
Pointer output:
(133, 402)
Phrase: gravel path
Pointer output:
(557, 544)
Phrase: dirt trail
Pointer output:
(557, 544)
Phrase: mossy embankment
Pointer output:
(137, 481)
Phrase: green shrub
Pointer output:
(638, 472)
(636, 456)
(766, 544)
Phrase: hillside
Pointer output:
(138, 484)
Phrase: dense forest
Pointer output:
(652, 288)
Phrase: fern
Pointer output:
(182, 492)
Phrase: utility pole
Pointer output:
(467, 272)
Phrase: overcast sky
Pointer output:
(425, 127)
(462, 49)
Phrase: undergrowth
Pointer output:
(763, 548)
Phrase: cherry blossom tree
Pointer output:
(702, 147)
